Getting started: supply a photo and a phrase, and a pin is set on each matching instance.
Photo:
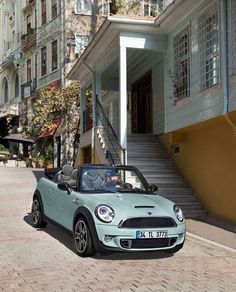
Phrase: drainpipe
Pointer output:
(225, 61)
(94, 110)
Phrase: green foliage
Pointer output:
(64, 101)
(48, 152)
(4, 150)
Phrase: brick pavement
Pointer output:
(45, 260)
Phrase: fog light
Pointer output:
(181, 235)
(108, 238)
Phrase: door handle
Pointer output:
(50, 190)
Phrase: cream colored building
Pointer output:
(40, 41)
(10, 64)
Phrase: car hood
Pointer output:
(134, 205)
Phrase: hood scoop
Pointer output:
(144, 207)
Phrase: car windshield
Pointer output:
(112, 179)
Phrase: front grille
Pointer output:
(147, 222)
(147, 243)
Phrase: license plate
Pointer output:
(151, 234)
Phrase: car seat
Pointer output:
(65, 174)
(92, 180)
(73, 178)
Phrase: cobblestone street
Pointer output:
(45, 260)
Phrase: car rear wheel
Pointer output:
(37, 216)
(83, 240)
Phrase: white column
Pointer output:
(123, 97)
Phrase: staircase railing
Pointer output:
(114, 151)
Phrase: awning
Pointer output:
(49, 128)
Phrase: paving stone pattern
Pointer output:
(45, 260)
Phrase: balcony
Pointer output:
(28, 88)
(8, 60)
(12, 18)
(29, 6)
(28, 40)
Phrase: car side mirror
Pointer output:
(64, 186)
(152, 188)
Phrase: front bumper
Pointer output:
(124, 239)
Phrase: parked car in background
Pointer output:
(108, 209)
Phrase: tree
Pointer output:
(52, 102)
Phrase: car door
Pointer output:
(59, 206)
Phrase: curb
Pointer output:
(210, 242)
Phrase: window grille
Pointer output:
(208, 47)
(83, 7)
(232, 37)
(182, 64)
(81, 42)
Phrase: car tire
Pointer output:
(82, 238)
(37, 215)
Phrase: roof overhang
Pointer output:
(104, 47)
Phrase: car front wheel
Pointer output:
(37, 216)
(83, 240)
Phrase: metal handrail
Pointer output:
(114, 151)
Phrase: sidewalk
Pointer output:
(215, 230)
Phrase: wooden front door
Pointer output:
(142, 105)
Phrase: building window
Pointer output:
(6, 94)
(54, 8)
(28, 24)
(182, 64)
(54, 55)
(232, 36)
(43, 12)
(81, 42)
(150, 7)
(28, 70)
(208, 47)
(17, 86)
(105, 7)
(83, 7)
(43, 61)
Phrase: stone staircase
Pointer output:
(150, 157)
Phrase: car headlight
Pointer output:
(178, 213)
(104, 213)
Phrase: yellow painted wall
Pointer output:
(80, 157)
(207, 159)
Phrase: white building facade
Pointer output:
(173, 77)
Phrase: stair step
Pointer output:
(148, 154)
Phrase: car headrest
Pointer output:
(67, 169)
(74, 174)
(92, 175)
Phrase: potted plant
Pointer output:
(49, 152)
(4, 154)
(40, 160)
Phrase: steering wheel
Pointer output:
(127, 186)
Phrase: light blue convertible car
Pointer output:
(108, 209)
